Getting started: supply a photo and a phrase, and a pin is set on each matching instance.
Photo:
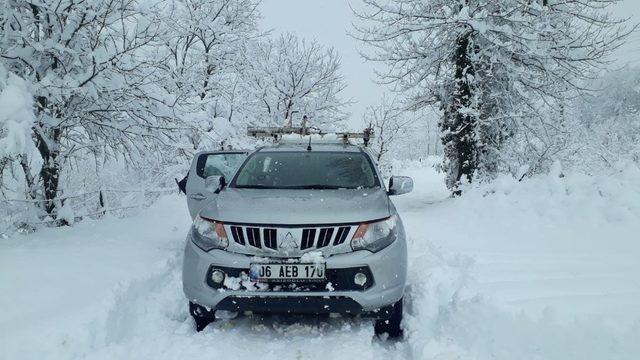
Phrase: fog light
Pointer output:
(217, 276)
(360, 279)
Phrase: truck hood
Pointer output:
(298, 207)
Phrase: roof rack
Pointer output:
(276, 132)
(287, 134)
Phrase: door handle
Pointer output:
(197, 196)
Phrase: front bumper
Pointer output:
(388, 268)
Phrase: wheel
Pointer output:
(391, 325)
(201, 315)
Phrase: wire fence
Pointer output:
(28, 214)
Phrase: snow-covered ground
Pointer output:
(544, 269)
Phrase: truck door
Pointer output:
(209, 164)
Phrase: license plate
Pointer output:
(287, 272)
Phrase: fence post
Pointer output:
(103, 202)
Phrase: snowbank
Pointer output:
(545, 268)
(65, 290)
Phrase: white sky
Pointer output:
(630, 53)
(328, 22)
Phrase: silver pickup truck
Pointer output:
(294, 228)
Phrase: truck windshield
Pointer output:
(306, 170)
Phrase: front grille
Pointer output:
(341, 236)
(308, 236)
(253, 237)
(238, 234)
(325, 237)
(271, 239)
(264, 240)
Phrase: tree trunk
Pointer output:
(28, 177)
(381, 152)
(459, 122)
(48, 144)
(50, 170)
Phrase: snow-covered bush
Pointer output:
(607, 122)
(599, 131)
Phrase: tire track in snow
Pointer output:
(149, 319)
(141, 303)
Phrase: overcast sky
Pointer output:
(328, 22)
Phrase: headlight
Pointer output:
(209, 234)
(375, 236)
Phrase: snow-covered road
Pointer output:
(547, 269)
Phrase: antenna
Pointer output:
(309, 146)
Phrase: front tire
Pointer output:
(392, 325)
(201, 315)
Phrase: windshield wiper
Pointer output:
(293, 187)
(316, 187)
(255, 187)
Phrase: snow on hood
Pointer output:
(298, 207)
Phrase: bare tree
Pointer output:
(389, 122)
(495, 68)
(289, 76)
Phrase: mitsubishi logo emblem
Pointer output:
(287, 242)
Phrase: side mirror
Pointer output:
(215, 183)
(399, 185)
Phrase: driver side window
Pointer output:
(219, 165)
